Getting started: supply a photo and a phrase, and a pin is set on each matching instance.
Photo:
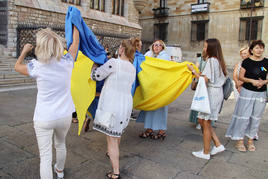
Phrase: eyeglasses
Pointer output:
(158, 45)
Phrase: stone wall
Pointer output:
(52, 13)
(224, 22)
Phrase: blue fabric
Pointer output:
(163, 55)
(155, 120)
(138, 59)
(93, 106)
(89, 44)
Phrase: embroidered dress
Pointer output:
(156, 119)
(216, 78)
(116, 95)
(251, 102)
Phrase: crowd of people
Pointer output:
(54, 107)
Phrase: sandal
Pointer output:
(240, 146)
(251, 146)
(86, 125)
(107, 155)
(74, 120)
(146, 134)
(112, 175)
(160, 135)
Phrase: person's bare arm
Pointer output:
(19, 66)
(235, 78)
(247, 80)
(74, 46)
(197, 75)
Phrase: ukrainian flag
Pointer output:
(158, 82)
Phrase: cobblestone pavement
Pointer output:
(139, 158)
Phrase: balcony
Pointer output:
(161, 12)
(200, 8)
(246, 4)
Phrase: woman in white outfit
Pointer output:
(54, 106)
(214, 74)
(116, 99)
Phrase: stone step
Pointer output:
(6, 69)
(12, 87)
(16, 81)
(10, 74)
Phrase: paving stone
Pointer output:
(10, 154)
(26, 169)
(139, 158)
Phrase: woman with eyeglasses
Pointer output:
(155, 120)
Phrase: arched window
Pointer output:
(118, 7)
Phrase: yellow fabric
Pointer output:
(83, 89)
(161, 82)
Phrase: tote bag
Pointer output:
(200, 101)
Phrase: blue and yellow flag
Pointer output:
(160, 82)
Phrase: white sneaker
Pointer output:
(198, 126)
(216, 150)
(200, 154)
(60, 175)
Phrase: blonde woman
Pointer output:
(116, 99)
(54, 106)
(238, 84)
(155, 120)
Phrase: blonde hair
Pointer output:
(161, 42)
(49, 45)
(129, 49)
(243, 48)
(136, 42)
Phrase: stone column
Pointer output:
(12, 29)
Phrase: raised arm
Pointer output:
(19, 66)
(74, 46)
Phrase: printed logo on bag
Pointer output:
(199, 98)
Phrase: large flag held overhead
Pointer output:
(158, 82)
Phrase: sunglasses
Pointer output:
(158, 45)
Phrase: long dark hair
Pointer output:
(214, 50)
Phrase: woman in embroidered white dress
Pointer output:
(116, 98)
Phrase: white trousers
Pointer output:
(44, 133)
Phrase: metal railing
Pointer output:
(26, 34)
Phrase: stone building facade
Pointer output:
(113, 18)
(187, 23)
